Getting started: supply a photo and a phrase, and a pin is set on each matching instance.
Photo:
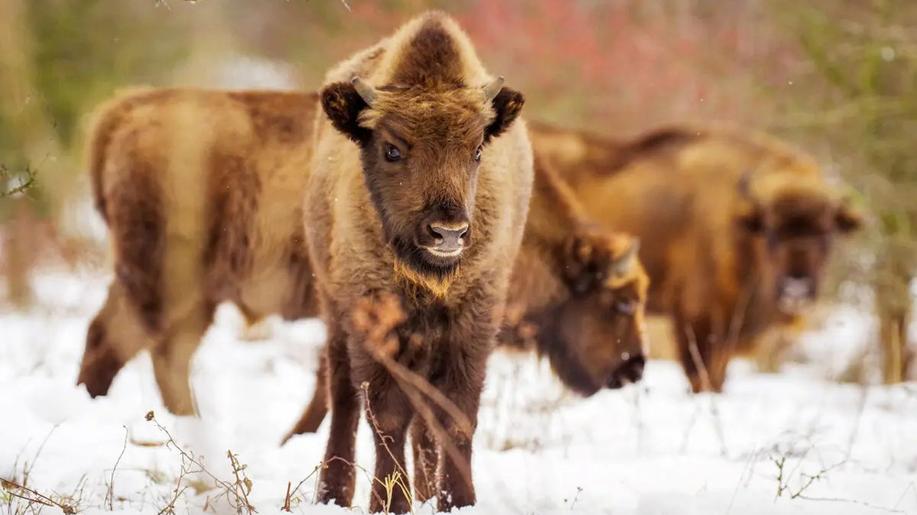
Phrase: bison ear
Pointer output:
(587, 262)
(507, 104)
(343, 104)
(847, 218)
(577, 257)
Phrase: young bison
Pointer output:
(577, 297)
(736, 228)
(202, 193)
(418, 191)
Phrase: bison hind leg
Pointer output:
(115, 336)
(172, 358)
(100, 362)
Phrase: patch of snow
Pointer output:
(647, 449)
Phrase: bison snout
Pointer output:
(795, 293)
(447, 239)
(631, 371)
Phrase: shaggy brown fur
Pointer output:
(398, 155)
(202, 193)
(736, 228)
(577, 297)
(545, 270)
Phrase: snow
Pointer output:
(649, 449)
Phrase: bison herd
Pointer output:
(409, 205)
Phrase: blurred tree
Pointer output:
(25, 136)
(861, 93)
(59, 58)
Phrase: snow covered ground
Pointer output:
(772, 444)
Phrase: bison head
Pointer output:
(793, 221)
(421, 148)
(599, 331)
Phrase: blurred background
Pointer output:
(837, 78)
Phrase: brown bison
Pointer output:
(418, 190)
(577, 297)
(201, 192)
(736, 228)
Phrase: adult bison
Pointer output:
(201, 192)
(735, 227)
(577, 297)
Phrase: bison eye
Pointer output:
(477, 154)
(625, 306)
(392, 153)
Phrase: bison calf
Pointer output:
(735, 228)
(418, 190)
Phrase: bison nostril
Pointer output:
(451, 236)
(630, 371)
(635, 367)
(436, 235)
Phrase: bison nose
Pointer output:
(796, 293)
(797, 287)
(630, 371)
(448, 237)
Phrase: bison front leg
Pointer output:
(462, 385)
(337, 476)
(389, 414)
(115, 335)
(375, 348)
(703, 355)
(423, 445)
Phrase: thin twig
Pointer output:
(228, 488)
(31, 495)
(109, 495)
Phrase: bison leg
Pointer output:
(114, 337)
(172, 359)
(423, 446)
(318, 407)
(337, 476)
(389, 414)
(703, 355)
(463, 388)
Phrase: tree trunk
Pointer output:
(895, 352)
(893, 307)
(18, 254)
(35, 141)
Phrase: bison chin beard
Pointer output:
(419, 266)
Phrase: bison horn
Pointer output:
(492, 89)
(366, 92)
(626, 261)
